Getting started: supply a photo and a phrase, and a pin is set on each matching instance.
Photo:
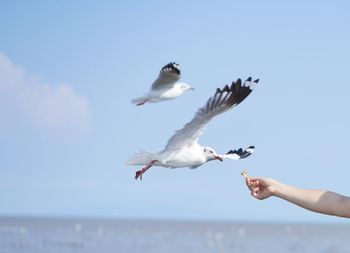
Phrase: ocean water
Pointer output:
(35, 235)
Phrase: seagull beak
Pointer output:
(192, 88)
(216, 157)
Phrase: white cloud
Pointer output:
(56, 108)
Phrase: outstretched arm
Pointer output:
(319, 201)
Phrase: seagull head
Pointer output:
(210, 154)
(185, 87)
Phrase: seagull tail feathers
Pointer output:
(140, 158)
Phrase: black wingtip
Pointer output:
(226, 88)
(235, 94)
(256, 81)
(173, 66)
(242, 153)
(239, 151)
(233, 84)
(230, 152)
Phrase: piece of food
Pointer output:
(245, 174)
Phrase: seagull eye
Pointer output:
(205, 150)
(211, 152)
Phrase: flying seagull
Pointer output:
(165, 87)
(182, 149)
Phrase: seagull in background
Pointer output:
(165, 87)
(182, 149)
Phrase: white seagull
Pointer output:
(165, 87)
(182, 149)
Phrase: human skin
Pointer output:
(320, 201)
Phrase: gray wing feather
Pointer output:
(168, 76)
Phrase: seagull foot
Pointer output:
(140, 172)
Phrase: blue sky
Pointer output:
(68, 71)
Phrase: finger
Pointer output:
(257, 194)
(252, 181)
(252, 185)
(260, 196)
(255, 178)
(248, 181)
(254, 194)
(255, 189)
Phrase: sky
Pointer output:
(69, 69)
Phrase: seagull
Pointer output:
(182, 149)
(165, 87)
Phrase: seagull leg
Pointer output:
(140, 172)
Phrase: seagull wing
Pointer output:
(223, 100)
(239, 153)
(168, 75)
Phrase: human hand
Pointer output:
(260, 187)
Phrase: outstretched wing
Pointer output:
(239, 153)
(168, 75)
(223, 100)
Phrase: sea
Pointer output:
(63, 235)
